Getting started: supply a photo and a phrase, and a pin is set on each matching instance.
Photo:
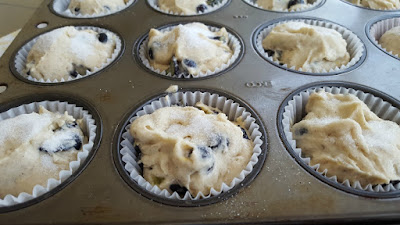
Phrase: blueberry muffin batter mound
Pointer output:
(189, 148)
(390, 40)
(66, 52)
(309, 47)
(188, 49)
(187, 7)
(90, 7)
(341, 134)
(282, 5)
(36, 147)
(378, 4)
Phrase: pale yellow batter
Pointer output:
(309, 47)
(67, 52)
(185, 148)
(281, 5)
(188, 49)
(377, 4)
(36, 147)
(341, 134)
(90, 7)
(183, 6)
(390, 40)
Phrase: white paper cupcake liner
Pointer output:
(233, 43)
(89, 131)
(60, 7)
(360, 6)
(22, 54)
(313, 4)
(229, 107)
(355, 46)
(379, 28)
(294, 112)
(154, 5)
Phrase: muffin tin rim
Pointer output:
(377, 10)
(136, 55)
(119, 164)
(336, 185)
(19, 76)
(51, 8)
(372, 22)
(261, 27)
(299, 11)
(186, 16)
(70, 99)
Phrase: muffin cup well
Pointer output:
(18, 63)
(355, 46)
(60, 7)
(292, 111)
(378, 26)
(126, 156)
(313, 5)
(91, 130)
(234, 42)
(154, 4)
(362, 7)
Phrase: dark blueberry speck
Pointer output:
(209, 170)
(201, 8)
(77, 9)
(103, 37)
(302, 131)
(189, 63)
(245, 136)
(269, 52)
(178, 189)
(294, 2)
(107, 7)
(71, 125)
(73, 73)
(28, 73)
(151, 56)
(78, 142)
(205, 152)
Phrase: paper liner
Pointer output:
(22, 54)
(233, 43)
(306, 7)
(294, 112)
(355, 46)
(60, 7)
(89, 130)
(379, 28)
(154, 5)
(360, 6)
(229, 107)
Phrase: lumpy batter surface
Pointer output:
(67, 52)
(378, 4)
(187, 148)
(90, 7)
(309, 47)
(187, 7)
(281, 5)
(390, 40)
(188, 49)
(341, 134)
(36, 147)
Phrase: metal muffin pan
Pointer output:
(282, 192)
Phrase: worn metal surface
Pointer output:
(283, 191)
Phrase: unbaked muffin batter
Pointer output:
(281, 5)
(67, 52)
(309, 47)
(341, 134)
(378, 4)
(36, 147)
(187, 7)
(188, 49)
(390, 40)
(90, 7)
(188, 148)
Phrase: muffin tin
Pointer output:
(283, 191)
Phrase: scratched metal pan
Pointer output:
(282, 192)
